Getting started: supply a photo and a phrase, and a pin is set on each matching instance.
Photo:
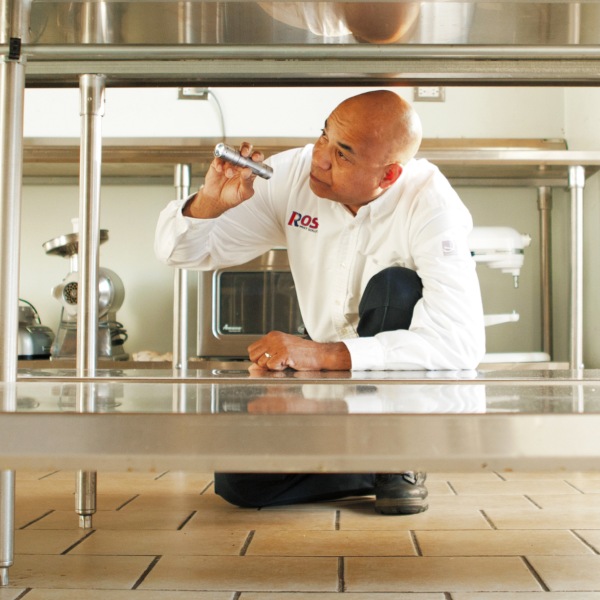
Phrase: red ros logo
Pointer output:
(303, 221)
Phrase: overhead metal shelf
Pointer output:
(501, 162)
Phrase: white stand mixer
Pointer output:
(503, 248)
(111, 293)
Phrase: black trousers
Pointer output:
(387, 304)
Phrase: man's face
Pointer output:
(346, 162)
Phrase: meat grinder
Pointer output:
(111, 293)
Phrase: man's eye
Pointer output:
(323, 133)
(341, 155)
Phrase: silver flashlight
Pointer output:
(233, 156)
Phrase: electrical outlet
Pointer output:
(193, 93)
(429, 94)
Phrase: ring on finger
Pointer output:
(268, 355)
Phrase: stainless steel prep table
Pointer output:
(208, 43)
(303, 422)
(230, 420)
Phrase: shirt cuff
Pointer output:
(366, 354)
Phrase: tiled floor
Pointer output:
(167, 536)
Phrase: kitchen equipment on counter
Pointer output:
(238, 305)
(503, 248)
(35, 340)
(111, 293)
(500, 248)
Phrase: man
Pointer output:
(377, 244)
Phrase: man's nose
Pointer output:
(321, 157)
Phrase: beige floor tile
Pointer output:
(192, 543)
(564, 475)
(116, 520)
(182, 478)
(587, 486)
(499, 543)
(451, 476)
(528, 487)
(43, 501)
(110, 476)
(591, 536)
(548, 518)
(568, 573)
(10, 593)
(439, 488)
(568, 501)
(297, 547)
(88, 594)
(128, 483)
(243, 519)
(483, 502)
(31, 475)
(336, 596)
(26, 515)
(102, 572)
(165, 501)
(250, 573)
(209, 502)
(434, 574)
(527, 596)
(30, 541)
(331, 543)
(431, 519)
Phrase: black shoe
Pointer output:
(400, 493)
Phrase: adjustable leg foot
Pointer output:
(85, 521)
(85, 498)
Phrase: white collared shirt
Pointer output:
(419, 223)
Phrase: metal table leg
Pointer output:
(545, 210)
(576, 185)
(85, 497)
(92, 109)
(183, 176)
(7, 523)
(14, 23)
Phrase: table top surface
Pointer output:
(230, 419)
(238, 390)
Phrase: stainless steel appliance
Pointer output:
(111, 293)
(237, 305)
(35, 339)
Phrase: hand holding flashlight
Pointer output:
(233, 156)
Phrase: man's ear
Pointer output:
(392, 172)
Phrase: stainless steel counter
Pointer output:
(226, 419)
(229, 419)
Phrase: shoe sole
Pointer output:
(406, 507)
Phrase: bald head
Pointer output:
(387, 124)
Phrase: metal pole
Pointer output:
(545, 208)
(14, 22)
(183, 176)
(161, 52)
(576, 185)
(92, 110)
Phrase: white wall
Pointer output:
(129, 212)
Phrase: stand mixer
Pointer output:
(500, 248)
(111, 293)
(503, 248)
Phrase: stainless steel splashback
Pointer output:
(199, 22)
(313, 43)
